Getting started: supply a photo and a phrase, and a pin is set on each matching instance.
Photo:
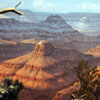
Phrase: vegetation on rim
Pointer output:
(89, 79)
(10, 89)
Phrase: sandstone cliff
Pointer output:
(94, 51)
(42, 69)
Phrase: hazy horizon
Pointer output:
(55, 6)
(60, 12)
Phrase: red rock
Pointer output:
(42, 70)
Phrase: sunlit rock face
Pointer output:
(43, 68)
(44, 48)
(94, 51)
(41, 71)
(36, 69)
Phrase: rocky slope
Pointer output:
(42, 70)
(30, 41)
(9, 49)
(56, 30)
(86, 23)
(54, 26)
(65, 94)
(94, 51)
(77, 42)
(2, 41)
(80, 42)
(14, 30)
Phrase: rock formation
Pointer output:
(2, 41)
(14, 30)
(94, 51)
(43, 68)
(65, 94)
(56, 30)
(10, 49)
(54, 26)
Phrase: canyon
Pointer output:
(41, 71)
(37, 50)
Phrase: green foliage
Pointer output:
(9, 90)
(90, 81)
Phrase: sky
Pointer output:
(55, 6)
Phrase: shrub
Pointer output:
(10, 89)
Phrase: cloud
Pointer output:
(38, 2)
(43, 5)
(89, 6)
